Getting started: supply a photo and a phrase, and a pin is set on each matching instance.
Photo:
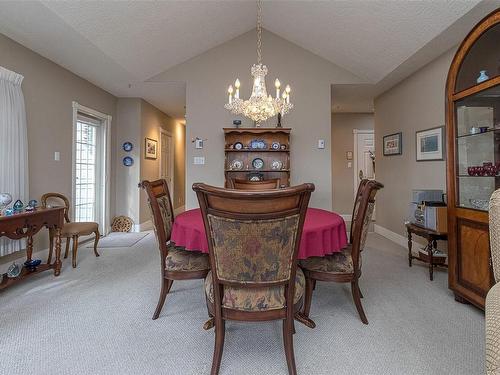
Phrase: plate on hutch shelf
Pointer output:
(283, 147)
(258, 163)
(276, 164)
(238, 146)
(275, 145)
(258, 144)
(236, 165)
(255, 176)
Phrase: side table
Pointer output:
(432, 237)
(26, 225)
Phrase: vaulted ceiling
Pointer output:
(119, 45)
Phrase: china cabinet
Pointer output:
(473, 158)
(257, 153)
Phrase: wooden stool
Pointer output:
(432, 237)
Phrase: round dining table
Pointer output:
(324, 233)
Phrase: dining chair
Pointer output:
(70, 230)
(253, 239)
(176, 263)
(240, 184)
(345, 266)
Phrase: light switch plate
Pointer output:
(199, 160)
(57, 156)
(198, 143)
(321, 143)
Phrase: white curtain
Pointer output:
(13, 146)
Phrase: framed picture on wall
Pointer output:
(430, 144)
(150, 148)
(393, 144)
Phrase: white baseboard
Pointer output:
(396, 238)
(147, 225)
(346, 217)
(179, 210)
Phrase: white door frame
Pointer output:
(171, 160)
(105, 178)
(357, 132)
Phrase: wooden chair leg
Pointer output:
(288, 342)
(357, 301)
(165, 288)
(308, 295)
(51, 246)
(66, 252)
(220, 333)
(96, 241)
(75, 250)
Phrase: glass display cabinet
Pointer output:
(473, 158)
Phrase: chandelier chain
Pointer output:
(259, 32)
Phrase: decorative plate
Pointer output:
(238, 146)
(255, 176)
(127, 146)
(236, 165)
(275, 145)
(258, 163)
(128, 161)
(277, 164)
(122, 224)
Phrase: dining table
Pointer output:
(324, 233)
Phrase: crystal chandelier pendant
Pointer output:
(260, 106)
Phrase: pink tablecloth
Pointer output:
(324, 233)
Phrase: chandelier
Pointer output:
(260, 106)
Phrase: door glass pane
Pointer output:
(478, 148)
(85, 172)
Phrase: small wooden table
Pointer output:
(26, 225)
(432, 237)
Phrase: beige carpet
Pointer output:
(96, 319)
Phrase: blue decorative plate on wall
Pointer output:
(128, 161)
(127, 146)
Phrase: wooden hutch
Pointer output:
(473, 158)
(244, 145)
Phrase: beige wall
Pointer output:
(128, 129)
(138, 119)
(208, 76)
(416, 103)
(343, 125)
(49, 91)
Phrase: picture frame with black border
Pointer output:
(392, 144)
(430, 144)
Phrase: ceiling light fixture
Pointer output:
(260, 106)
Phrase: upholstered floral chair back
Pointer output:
(160, 206)
(362, 217)
(253, 236)
(494, 218)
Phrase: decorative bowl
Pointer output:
(31, 265)
(5, 199)
(13, 271)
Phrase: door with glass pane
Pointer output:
(88, 204)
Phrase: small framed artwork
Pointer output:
(430, 144)
(393, 144)
(150, 148)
